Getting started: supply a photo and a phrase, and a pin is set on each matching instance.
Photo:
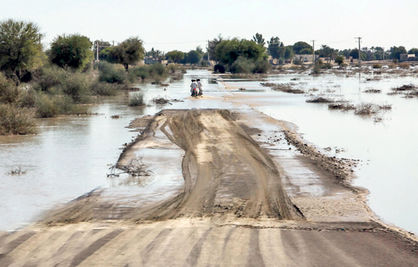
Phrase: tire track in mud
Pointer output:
(225, 171)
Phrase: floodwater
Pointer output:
(72, 155)
(388, 149)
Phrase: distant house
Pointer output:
(407, 57)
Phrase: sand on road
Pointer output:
(239, 205)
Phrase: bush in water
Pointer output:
(136, 100)
(111, 74)
(15, 120)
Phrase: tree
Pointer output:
(339, 60)
(258, 38)
(240, 55)
(193, 57)
(327, 52)
(129, 52)
(175, 56)
(396, 51)
(20, 48)
(227, 51)
(73, 51)
(274, 47)
(100, 45)
(155, 54)
(288, 52)
(301, 48)
(413, 51)
(211, 47)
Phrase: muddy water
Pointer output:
(387, 149)
(71, 156)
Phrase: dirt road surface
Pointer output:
(245, 201)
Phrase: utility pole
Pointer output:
(359, 59)
(97, 50)
(313, 52)
(208, 53)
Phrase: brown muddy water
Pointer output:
(72, 155)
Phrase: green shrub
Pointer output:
(45, 106)
(262, 66)
(110, 74)
(27, 98)
(339, 60)
(15, 120)
(9, 92)
(155, 72)
(77, 86)
(48, 78)
(138, 73)
(105, 89)
(219, 68)
(242, 65)
(136, 100)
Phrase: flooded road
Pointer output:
(387, 149)
(72, 155)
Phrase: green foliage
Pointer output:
(193, 57)
(413, 51)
(275, 47)
(219, 68)
(8, 90)
(155, 72)
(258, 38)
(261, 66)
(45, 106)
(110, 74)
(396, 51)
(136, 100)
(77, 86)
(339, 60)
(242, 51)
(211, 47)
(49, 77)
(129, 52)
(327, 52)
(302, 48)
(175, 56)
(242, 65)
(27, 99)
(105, 89)
(288, 52)
(99, 45)
(73, 51)
(20, 48)
(14, 120)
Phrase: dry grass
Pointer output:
(287, 88)
(341, 106)
(373, 91)
(320, 99)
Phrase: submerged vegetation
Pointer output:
(63, 80)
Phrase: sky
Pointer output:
(184, 25)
